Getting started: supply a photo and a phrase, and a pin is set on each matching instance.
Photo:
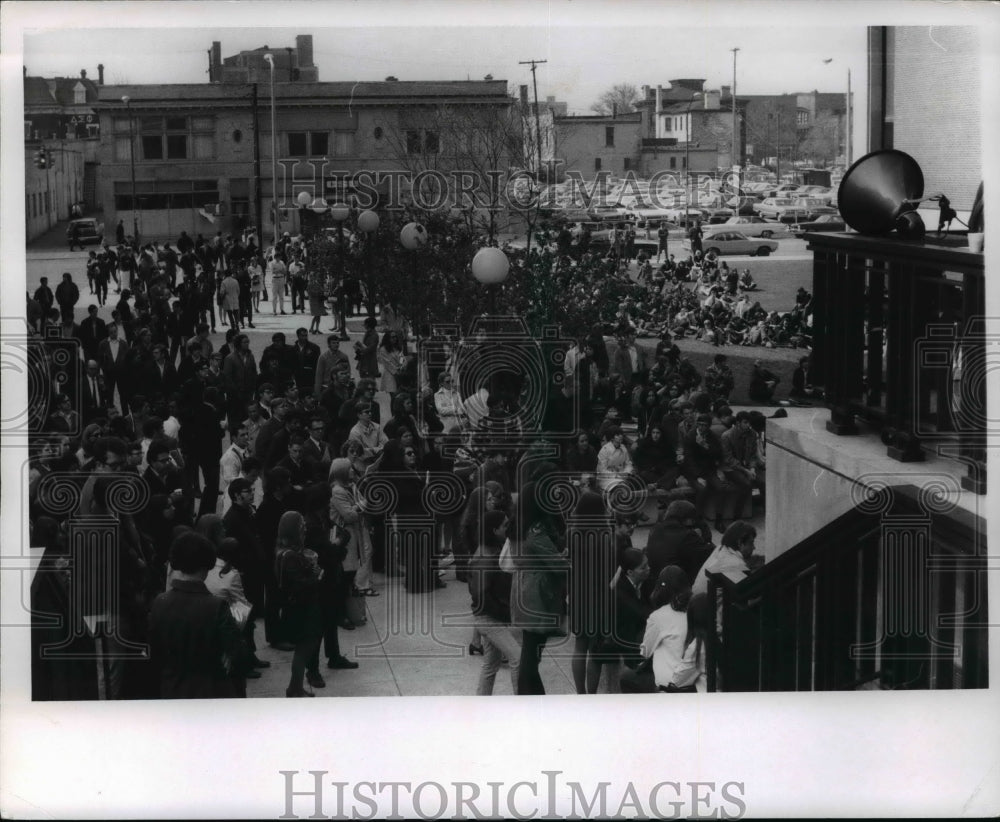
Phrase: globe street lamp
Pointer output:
(490, 267)
(131, 161)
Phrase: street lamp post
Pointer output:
(339, 212)
(274, 154)
(736, 138)
(131, 161)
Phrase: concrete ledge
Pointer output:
(814, 476)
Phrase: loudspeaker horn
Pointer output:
(880, 193)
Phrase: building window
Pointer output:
(597, 164)
(627, 163)
(319, 143)
(152, 147)
(175, 138)
(802, 117)
(673, 162)
(343, 143)
(422, 142)
(609, 136)
(152, 195)
(177, 147)
(47, 202)
(297, 144)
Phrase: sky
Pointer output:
(588, 46)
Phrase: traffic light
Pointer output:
(42, 158)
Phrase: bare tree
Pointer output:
(821, 142)
(620, 98)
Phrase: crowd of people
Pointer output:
(258, 478)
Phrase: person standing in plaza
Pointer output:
(298, 574)
(537, 594)
(489, 588)
(279, 274)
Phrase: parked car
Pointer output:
(815, 206)
(751, 227)
(733, 242)
(772, 206)
(825, 222)
(717, 216)
(88, 231)
(792, 214)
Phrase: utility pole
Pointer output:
(850, 125)
(736, 138)
(538, 125)
(256, 170)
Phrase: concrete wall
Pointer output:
(814, 476)
(937, 95)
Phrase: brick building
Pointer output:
(202, 152)
(59, 116)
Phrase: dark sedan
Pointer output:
(825, 222)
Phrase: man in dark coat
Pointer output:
(192, 633)
(112, 353)
(67, 296)
(680, 539)
(92, 330)
(306, 358)
(201, 444)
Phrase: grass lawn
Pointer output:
(777, 281)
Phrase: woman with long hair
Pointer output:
(666, 633)
(689, 676)
(490, 588)
(390, 357)
(581, 457)
(298, 573)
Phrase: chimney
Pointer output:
(550, 98)
(645, 92)
(83, 74)
(100, 74)
(524, 96)
(304, 46)
(215, 63)
(726, 90)
(488, 77)
(711, 100)
(614, 110)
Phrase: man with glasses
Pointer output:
(316, 451)
(110, 456)
(160, 475)
(330, 362)
(371, 437)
